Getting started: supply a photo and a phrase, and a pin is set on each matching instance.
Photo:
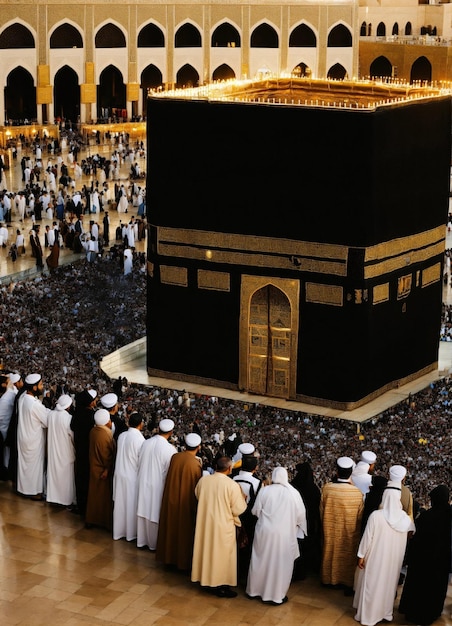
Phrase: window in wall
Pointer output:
(151, 36)
(264, 36)
(187, 36)
(381, 30)
(110, 36)
(16, 36)
(223, 72)
(66, 36)
(302, 37)
(225, 36)
(340, 37)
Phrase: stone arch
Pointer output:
(224, 35)
(223, 72)
(20, 95)
(340, 36)
(151, 78)
(15, 36)
(302, 36)
(421, 70)
(337, 72)
(301, 70)
(264, 36)
(381, 29)
(187, 36)
(65, 36)
(187, 76)
(151, 36)
(381, 67)
(111, 92)
(110, 36)
(66, 94)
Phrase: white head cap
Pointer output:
(192, 440)
(14, 378)
(63, 402)
(92, 393)
(166, 425)
(246, 448)
(345, 462)
(101, 417)
(33, 379)
(368, 457)
(109, 400)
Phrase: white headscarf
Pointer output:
(281, 477)
(361, 468)
(394, 513)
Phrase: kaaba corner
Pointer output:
(297, 235)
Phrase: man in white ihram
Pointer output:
(125, 479)
(31, 439)
(362, 473)
(153, 467)
(60, 454)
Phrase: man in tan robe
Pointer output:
(220, 502)
(102, 449)
(176, 530)
(341, 509)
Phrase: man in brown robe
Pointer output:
(178, 511)
(341, 509)
(102, 449)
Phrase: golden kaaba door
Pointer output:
(269, 343)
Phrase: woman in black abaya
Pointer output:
(428, 561)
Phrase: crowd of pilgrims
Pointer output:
(52, 188)
(54, 324)
(55, 330)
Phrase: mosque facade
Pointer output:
(96, 61)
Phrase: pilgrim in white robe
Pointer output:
(128, 262)
(95, 206)
(281, 518)
(60, 458)
(361, 477)
(31, 445)
(382, 547)
(153, 466)
(6, 411)
(131, 235)
(123, 204)
(125, 484)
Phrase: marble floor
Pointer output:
(53, 571)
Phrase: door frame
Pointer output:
(291, 289)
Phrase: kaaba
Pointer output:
(297, 236)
